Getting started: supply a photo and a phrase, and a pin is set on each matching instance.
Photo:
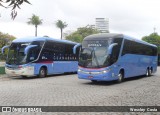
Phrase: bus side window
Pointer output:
(115, 54)
(127, 47)
(69, 52)
(116, 49)
(33, 54)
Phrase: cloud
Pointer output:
(133, 17)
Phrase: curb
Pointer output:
(3, 75)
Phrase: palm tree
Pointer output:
(61, 25)
(35, 20)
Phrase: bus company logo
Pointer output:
(6, 109)
(94, 45)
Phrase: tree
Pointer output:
(13, 4)
(153, 38)
(5, 39)
(61, 25)
(35, 20)
(81, 33)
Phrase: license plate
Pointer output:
(90, 77)
(13, 72)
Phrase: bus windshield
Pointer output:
(17, 56)
(95, 57)
(16, 53)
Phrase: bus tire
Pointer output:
(23, 76)
(120, 77)
(42, 72)
(94, 81)
(148, 72)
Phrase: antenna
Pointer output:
(154, 29)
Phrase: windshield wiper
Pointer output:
(96, 59)
(93, 56)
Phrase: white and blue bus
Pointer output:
(40, 56)
(158, 59)
(107, 57)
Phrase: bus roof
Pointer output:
(31, 39)
(105, 36)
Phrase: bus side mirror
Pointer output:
(75, 47)
(4, 47)
(28, 47)
(111, 47)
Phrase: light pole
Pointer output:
(154, 29)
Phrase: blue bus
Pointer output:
(158, 59)
(40, 56)
(107, 57)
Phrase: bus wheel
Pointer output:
(42, 72)
(148, 72)
(24, 76)
(94, 81)
(120, 77)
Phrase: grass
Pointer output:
(2, 70)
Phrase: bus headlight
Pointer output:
(104, 71)
(79, 70)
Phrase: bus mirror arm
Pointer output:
(4, 47)
(75, 47)
(111, 47)
(28, 47)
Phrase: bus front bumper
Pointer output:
(23, 71)
(98, 76)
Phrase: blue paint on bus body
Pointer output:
(132, 64)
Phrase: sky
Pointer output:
(136, 18)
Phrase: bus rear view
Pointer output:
(107, 57)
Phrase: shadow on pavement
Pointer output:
(107, 83)
(36, 77)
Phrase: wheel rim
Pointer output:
(150, 71)
(147, 73)
(119, 77)
(42, 73)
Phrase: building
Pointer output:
(102, 24)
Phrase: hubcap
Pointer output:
(42, 73)
(150, 71)
(120, 76)
(147, 73)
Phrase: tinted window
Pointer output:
(131, 47)
(53, 51)
(116, 49)
(58, 52)
(69, 53)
